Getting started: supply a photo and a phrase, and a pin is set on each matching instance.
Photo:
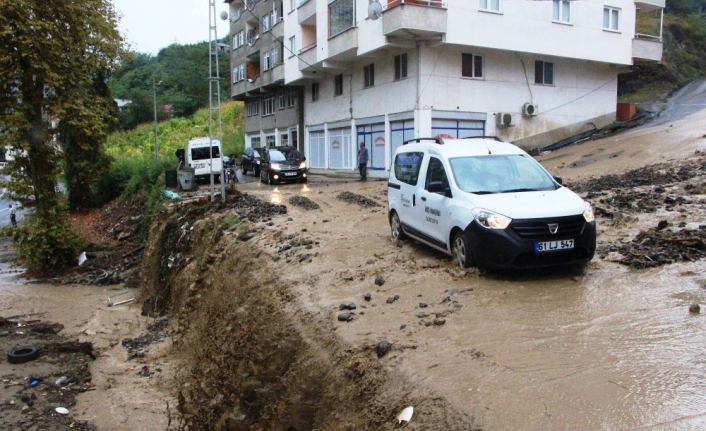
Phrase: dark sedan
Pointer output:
(282, 164)
(250, 161)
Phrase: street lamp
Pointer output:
(154, 95)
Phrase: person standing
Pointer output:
(363, 159)
(13, 216)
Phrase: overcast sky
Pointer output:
(149, 25)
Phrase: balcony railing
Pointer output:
(428, 3)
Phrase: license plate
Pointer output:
(199, 166)
(541, 247)
(290, 174)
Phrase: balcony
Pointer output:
(409, 19)
(277, 30)
(307, 13)
(646, 50)
(344, 46)
(647, 5)
(273, 76)
(307, 58)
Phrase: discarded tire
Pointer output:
(20, 355)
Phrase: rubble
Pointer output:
(304, 202)
(356, 199)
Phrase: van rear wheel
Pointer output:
(461, 251)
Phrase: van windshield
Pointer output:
(500, 174)
(285, 155)
(202, 153)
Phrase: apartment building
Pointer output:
(274, 112)
(530, 72)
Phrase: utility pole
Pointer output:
(214, 90)
(156, 139)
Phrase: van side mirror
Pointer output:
(303, 159)
(558, 179)
(439, 187)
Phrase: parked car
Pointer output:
(250, 161)
(282, 164)
(487, 203)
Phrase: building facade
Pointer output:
(530, 72)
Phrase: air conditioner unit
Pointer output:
(530, 109)
(504, 119)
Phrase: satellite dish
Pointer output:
(224, 15)
(375, 10)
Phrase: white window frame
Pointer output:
(341, 5)
(274, 56)
(291, 99)
(489, 6)
(266, 23)
(558, 10)
(292, 46)
(266, 61)
(253, 108)
(235, 41)
(268, 106)
(282, 103)
(544, 66)
(270, 140)
(241, 38)
(369, 75)
(242, 72)
(612, 21)
(473, 66)
(402, 67)
(292, 5)
(235, 74)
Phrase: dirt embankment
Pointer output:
(252, 356)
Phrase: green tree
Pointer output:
(52, 53)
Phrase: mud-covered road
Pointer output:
(600, 347)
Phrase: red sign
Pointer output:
(379, 141)
(335, 145)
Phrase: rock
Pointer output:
(662, 224)
(390, 300)
(614, 256)
(427, 323)
(695, 308)
(423, 305)
(402, 327)
(124, 235)
(303, 258)
(351, 306)
(30, 403)
(24, 398)
(290, 219)
(367, 297)
(397, 297)
(439, 321)
(382, 348)
(245, 236)
(370, 261)
(345, 317)
(379, 281)
(670, 200)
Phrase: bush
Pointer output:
(46, 246)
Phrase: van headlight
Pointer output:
(275, 166)
(588, 213)
(302, 165)
(490, 220)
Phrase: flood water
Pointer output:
(595, 348)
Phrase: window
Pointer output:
(266, 61)
(490, 5)
(562, 11)
(338, 85)
(255, 142)
(407, 167)
(235, 74)
(253, 109)
(274, 18)
(266, 22)
(274, 57)
(241, 38)
(314, 91)
(341, 16)
(292, 5)
(369, 76)
(268, 106)
(270, 140)
(471, 66)
(437, 181)
(611, 18)
(281, 101)
(242, 72)
(292, 46)
(235, 41)
(400, 66)
(543, 73)
(291, 99)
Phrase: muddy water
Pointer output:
(595, 348)
(122, 400)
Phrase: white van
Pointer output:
(487, 203)
(202, 158)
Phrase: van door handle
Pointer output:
(414, 201)
(424, 199)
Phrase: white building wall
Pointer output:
(526, 26)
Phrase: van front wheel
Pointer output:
(396, 226)
(461, 251)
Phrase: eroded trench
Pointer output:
(248, 359)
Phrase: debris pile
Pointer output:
(356, 199)
(304, 202)
(139, 347)
(656, 247)
(253, 209)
